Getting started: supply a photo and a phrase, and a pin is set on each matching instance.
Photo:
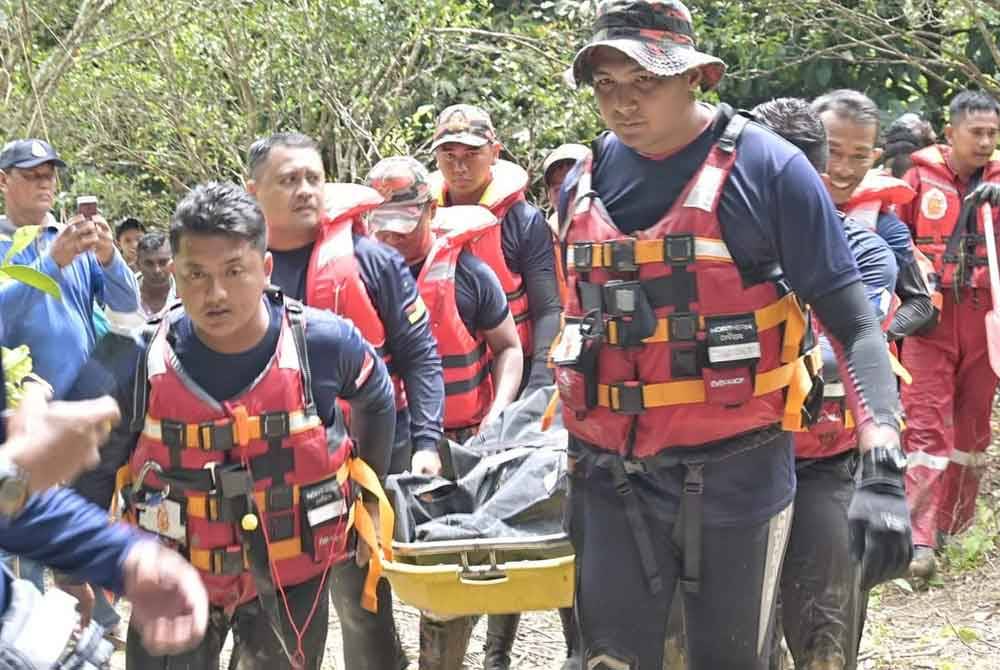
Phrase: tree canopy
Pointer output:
(145, 99)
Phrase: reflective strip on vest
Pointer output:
(195, 434)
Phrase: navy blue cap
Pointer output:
(28, 154)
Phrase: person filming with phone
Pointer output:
(78, 255)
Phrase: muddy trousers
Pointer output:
(948, 409)
(256, 647)
(623, 624)
(822, 608)
(370, 639)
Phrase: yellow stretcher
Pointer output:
(492, 576)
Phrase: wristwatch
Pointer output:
(13, 488)
(879, 460)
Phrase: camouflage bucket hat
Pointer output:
(656, 34)
(403, 182)
(465, 124)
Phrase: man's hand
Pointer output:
(169, 601)
(105, 247)
(492, 415)
(78, 237)
(56, 442)
(426, 462)
(881, 538)
(987, 192)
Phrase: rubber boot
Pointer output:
(443, 643)
(501, 630)
(574, 658)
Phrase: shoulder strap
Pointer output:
(140, 385)
(735, 123)
(296, 319)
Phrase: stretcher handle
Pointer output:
(484, 580)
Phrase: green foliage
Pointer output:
(16, 366)
(145, 99)
(10, 272)
(969, 550)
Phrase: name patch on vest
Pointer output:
(323, 502)
(934, 204)
(732, 339)
(165, 520)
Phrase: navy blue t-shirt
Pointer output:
(393, 292)
(774, 209)
(897, 236)
(479, 297)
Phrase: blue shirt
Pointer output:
(414, 354)
(62, 530)
(526, 244)
(60, 332)
(897, 236)
(479, 298)
(774, 209)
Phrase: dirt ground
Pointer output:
(952, 625)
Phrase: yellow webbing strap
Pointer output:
(365, 525)
(651, 251)
(773, 315)
(899, 370)
(796, 376)
(550, 411)
(123, 480)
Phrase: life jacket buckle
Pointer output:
(622, 255)
(678, 249)
(683, 326)
(275, 425)
(582, 256)
(621, 298)
(627, 398)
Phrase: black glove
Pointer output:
(879, 519)
(988, 191)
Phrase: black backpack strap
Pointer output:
(734, 124)
(297, 321)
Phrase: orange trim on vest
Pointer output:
(875, 194)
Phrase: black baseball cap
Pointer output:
(28, 154)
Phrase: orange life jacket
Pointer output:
(963, 262)
(333, 280)
(263, 459)
(717, 359)
(506, 188)
(876, 194)
(465, 357)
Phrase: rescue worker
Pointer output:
(470, 320)
(236, 448)
(948, 404)
(905, 135)
(851, 120)
(821, 607)
(555, 167)
(322, 257)
(685, 354)
(470, 172)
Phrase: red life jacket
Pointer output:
(333, 280)
(723, 359)
(507, 187)
(465, 357)
(273, 429)
(877, 193)
(937, 217)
